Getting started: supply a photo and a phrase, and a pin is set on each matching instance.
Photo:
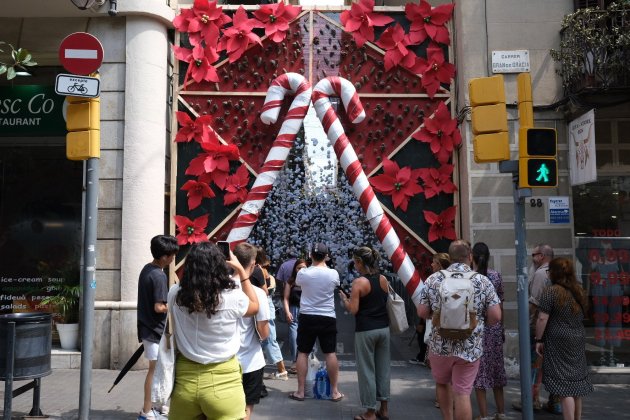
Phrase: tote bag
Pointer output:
(396, 311)
(164, 376)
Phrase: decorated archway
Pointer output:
(396, 59)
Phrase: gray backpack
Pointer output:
(456, 316)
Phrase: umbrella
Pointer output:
(132, 361)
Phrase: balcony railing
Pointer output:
(595, 49)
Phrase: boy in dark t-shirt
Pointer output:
(152, 293)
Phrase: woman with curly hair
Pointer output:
(205, 307)
(560, 338)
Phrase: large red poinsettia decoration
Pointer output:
(197, 129)
(437, 180)
(434, 69)
(441, 133)
(401, 184)
(191, 231)
(215, 159)
(361, 19)
(202, 22)
(394, 42)
(236, 186)
(197, 191)
(276, 18)
(237, 38)
(442, 225)
(428, 22)
(200, 62)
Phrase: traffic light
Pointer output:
(83, 122)
(537, 163)
(491, 142)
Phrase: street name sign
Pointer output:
(513, 61)
(73, 85)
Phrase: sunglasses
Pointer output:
(536, 253)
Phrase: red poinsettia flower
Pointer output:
(216, 160)
(437, 180)
(442, 225)
(197, 191)
(441, 133)
(191, 231)
(434, 69)
(401, 184)
(361, 19)
(394, 42)
(237, 38)
(428, 22)
(276, 18)
(197, 129)
(202, 22)
(199, 61)
(236, 186)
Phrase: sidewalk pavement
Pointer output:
(412, 395)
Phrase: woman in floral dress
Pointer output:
(491, 369)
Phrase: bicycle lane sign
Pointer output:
(73, 85)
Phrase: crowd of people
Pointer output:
(223, 319)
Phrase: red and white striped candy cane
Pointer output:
(288, 82)
(337, 86)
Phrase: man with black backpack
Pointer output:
(460, 301)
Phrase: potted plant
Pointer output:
(66, 303)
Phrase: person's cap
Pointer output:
(320, 248)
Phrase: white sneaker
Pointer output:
(151, 415)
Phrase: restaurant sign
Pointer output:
(31, 111)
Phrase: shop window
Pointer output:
(604, 158)
(623, 127)
(603, 132)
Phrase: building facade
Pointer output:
(138, 78)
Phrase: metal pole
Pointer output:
(522, 298)
(8, 376)
(89, 286)
(522, 289)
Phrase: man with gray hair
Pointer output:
(456, 361)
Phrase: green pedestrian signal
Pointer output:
(540, 172)
(538, 166)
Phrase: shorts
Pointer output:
(456, 371)
(314, 327)
(150, 350)
(252, 385)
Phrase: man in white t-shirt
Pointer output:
(317, 320)
(253, 331)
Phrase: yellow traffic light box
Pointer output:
(538, 166)
(491, 141)
(83, 122)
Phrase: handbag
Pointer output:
(397, 314)
(164, 376)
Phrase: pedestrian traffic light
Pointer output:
(538, 166)
(491, 142)
(83, 122)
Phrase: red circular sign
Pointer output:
(81, 53)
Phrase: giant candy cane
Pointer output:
(288, 82)
(337, 86)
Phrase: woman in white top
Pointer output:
(205, 307)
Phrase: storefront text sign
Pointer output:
(559, 210)
(514, 61)
(31, 111)
(582, 164)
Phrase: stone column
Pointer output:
(145, 137)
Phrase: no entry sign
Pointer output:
(81, 53)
